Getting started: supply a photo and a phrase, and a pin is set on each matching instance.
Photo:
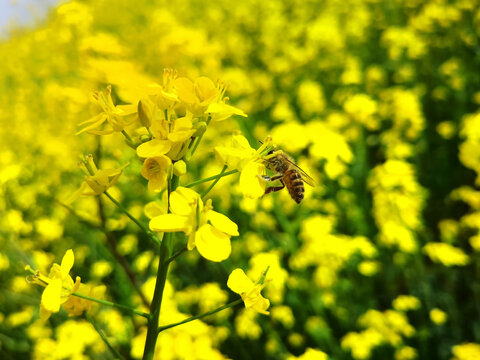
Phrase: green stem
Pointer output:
(229, 305)
(129, 139)
(104, 338)
(112, 247)
(215, 182)
(109, 303)
(200, 138)
(149, 132)
(177, 254)
(150, 234)
(198, 182)
(166, 249)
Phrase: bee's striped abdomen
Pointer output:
(294, 183)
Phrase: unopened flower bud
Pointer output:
(180, 168)
(188, 155)
(201, 127)
(144, 138)
(144, 113)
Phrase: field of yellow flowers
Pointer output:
(138, 141)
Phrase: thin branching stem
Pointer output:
(229, 305)
(112, 304)
(177, 254)
(150, 234)
(199, 138)
(215, 182)
(198, 182)
(104, 338)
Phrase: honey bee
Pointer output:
(289, 174)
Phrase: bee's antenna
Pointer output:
(260, 142)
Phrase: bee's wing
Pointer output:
(305, 177)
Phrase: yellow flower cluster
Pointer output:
(446, 254)
(467, 351)
(389, 327)
(398, 201)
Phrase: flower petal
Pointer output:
(157, 183)
(185, 90)
(184, 123)
(153, 148)
(125, 110)
(170, 223)
(251, 182)
(206, 89)
(221, 111)
(67, 263)
(51, 295)
(180, 136)
(183, 201)
(255, 301)
(222, 223)
(239, 282)
(212, 244)
(153, 209)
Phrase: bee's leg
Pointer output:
(273, 178)
(275, 188)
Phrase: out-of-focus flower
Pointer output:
(406, 353)
(446, 254)
(239, 283)
(114, 116)
(438, 316)
(58, 285)
(206, 229)
(284, 315)
(310, 354)
(96, 181)
(406, 302)
(468, 351)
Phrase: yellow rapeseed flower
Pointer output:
(203, 96)
(238, 154)
(310, 354)
(406, 303)
(467, 351)
(96, 181)
(438, 316)
(239, 283)
(207, 230)
(197, 95)
(114, 116)
(169, 137)
(446, 254)
(155, 170)
(58, 285)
